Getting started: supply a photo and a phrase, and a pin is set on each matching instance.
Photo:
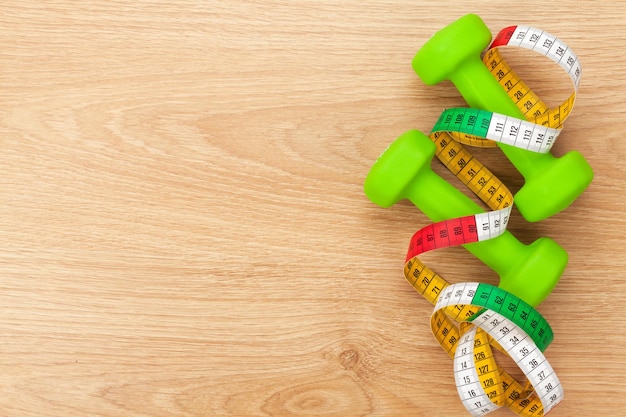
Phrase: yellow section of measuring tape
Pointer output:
(527, 101)
(501, 388)
(429, 284)
(476, 176)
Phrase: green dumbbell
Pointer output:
(404, 171)
(453, 53)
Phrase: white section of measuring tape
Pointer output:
(515, 342)
(552, 47)
(492, 223)
(526, 355)
(521, 133)
(471, 392)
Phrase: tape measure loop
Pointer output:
(521, 336)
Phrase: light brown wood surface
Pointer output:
(184, 230)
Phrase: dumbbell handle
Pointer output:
(481, 90)
(439, 201)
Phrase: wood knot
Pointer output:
(349, 358)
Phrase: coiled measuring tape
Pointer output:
(502, 320)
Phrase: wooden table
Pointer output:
(184, 230)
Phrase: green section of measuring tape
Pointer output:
(465, 120)
(515, 309)
(480, 126)
(491, 298)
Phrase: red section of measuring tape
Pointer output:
(442, 234)
(503, 37)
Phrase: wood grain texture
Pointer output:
(184, 231)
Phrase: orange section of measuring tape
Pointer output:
(501, 388)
